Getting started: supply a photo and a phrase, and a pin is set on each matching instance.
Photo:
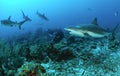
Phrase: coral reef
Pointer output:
(30, 69)
(59, 52)
(53, 53)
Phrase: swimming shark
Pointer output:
(90, 30)
(9, 22)
(42, 16)
(25, 16)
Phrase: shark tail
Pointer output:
(114, 29)
(21, 23)
(23, 14)
(27, 18)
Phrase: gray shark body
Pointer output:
(42, 16)
(9, 22)
(89, 30)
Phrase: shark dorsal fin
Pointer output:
(9, 18)
(95, 21)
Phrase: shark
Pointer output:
(90, 30)
(9, 22)
(25, 16)
(42, 16)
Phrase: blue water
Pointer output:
(61, 13)
(56, 47)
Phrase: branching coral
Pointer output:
(30, 69)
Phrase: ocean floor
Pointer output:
(56, 53)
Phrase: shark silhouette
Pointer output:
(90, 30)
(9, 22)
(42, 16)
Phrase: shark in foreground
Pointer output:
(42, 16)
(9, 22)
(90, 30)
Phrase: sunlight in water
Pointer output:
(22, 3)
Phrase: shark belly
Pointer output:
(96, 35)
(80, 34)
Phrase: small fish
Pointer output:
(42, 16)
(90, 30)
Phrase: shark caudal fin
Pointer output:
(21, 23)
(23, 14)
(114, 29)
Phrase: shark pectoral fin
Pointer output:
(95, 21)
(20, 27)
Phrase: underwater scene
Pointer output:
(59, 38)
